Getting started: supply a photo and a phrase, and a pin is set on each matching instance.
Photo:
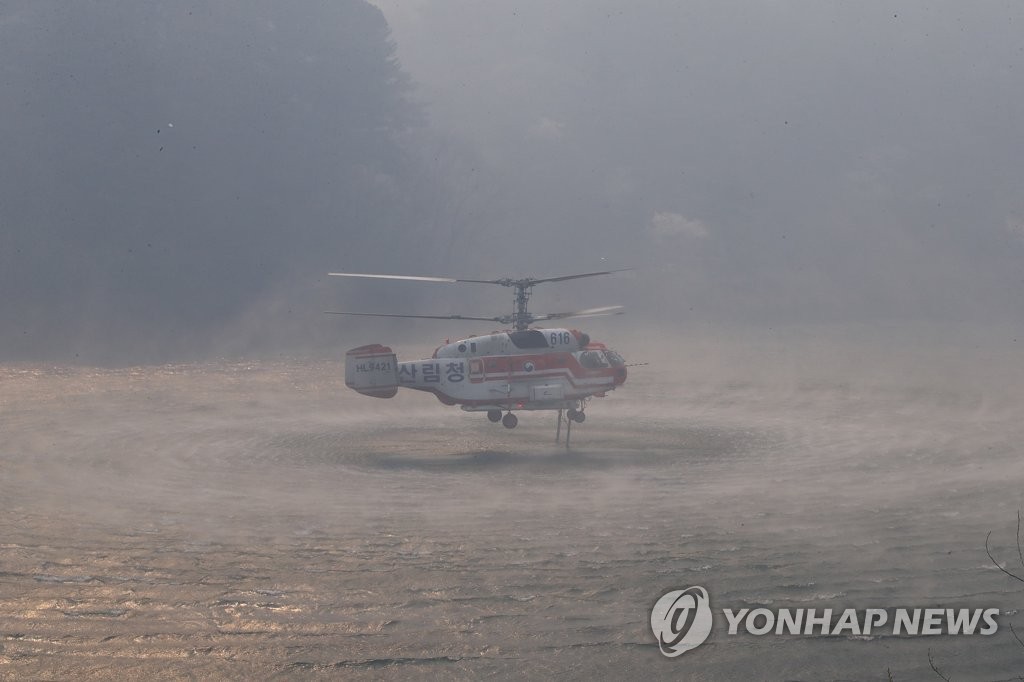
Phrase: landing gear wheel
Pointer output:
(579, 417)
(509, 421)
(572, 413)
(494, 415)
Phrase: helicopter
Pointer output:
(522, 368)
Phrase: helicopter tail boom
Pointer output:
(372, 370)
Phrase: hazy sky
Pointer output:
(763, 161)
(174, 173)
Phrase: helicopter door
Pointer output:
(476, 370)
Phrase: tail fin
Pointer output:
(372, 370)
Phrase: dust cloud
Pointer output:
(253, 519)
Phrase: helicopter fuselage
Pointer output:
(532, 369)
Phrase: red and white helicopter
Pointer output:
(520, 369)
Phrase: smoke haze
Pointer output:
(178, 179)
(821, 205)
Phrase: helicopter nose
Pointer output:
(620, 376)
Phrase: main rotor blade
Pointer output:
(586, 274)
(417, 279)
(589, 312)
(506, 282)
(422, 317)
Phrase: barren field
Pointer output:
(259, 520)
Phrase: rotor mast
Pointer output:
(521, 317)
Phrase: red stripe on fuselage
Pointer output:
(505, 364)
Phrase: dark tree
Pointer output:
(166, 163)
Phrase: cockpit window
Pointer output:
(529, 338)
(614, 358)
(592, 359)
